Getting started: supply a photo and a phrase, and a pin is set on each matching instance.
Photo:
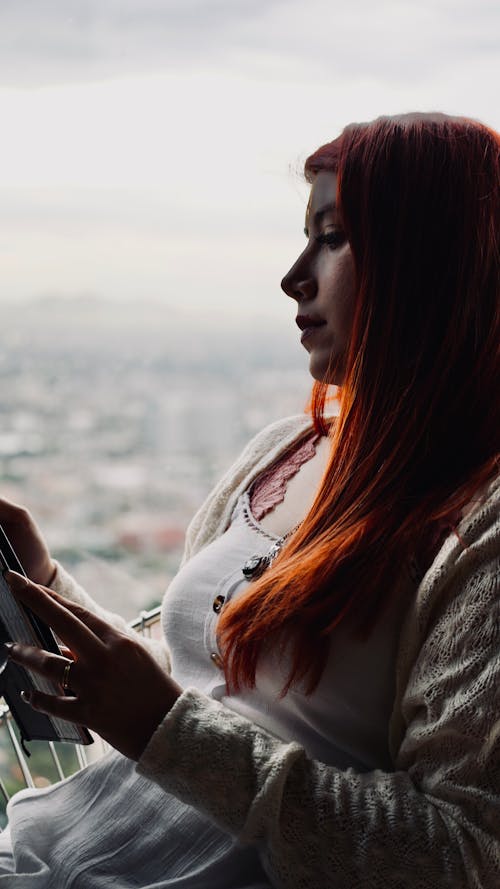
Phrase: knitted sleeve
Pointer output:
(432, 822)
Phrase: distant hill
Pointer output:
(156, 329)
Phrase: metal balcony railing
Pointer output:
(49, 762)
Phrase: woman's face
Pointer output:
(322, 281)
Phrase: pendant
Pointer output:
(255, 566)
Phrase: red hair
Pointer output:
(418, 429)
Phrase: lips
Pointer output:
(308, 324)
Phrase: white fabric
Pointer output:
(107, 827)
(429, 819)
(76, 833)
(343, 723)
(433, 818)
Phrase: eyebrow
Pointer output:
(331, 207)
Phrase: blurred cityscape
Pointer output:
(117, 419)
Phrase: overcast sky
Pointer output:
(150, 148)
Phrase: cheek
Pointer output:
(342, 295)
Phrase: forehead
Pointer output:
(323, 194)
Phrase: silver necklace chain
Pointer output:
(256, 565)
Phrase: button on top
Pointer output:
(218, 603)
(216, 659)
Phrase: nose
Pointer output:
(299, 283)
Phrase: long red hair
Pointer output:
(418, 429)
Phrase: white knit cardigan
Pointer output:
(431, 823)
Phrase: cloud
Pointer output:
(158, 161)
(53, 41)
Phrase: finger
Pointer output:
(99, 626)
(9, 509)
(70, 628)
(49, 665)
(66, 652)
(54, 705)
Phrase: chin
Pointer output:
(330, 372)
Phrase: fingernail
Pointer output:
(9, 646)
(26, 696)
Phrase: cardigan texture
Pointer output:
(434, 820)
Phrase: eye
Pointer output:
(331, 239)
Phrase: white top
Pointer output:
(85, 824)
(430, 819)
(344, 722)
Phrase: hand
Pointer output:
(27, 540)
(119, 690)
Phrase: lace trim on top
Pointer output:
(269, 489)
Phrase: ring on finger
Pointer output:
(65, 676)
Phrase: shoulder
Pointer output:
(473, 548)
(261, 451)
(450, 635)
(277, 436)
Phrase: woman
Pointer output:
(331, 719)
